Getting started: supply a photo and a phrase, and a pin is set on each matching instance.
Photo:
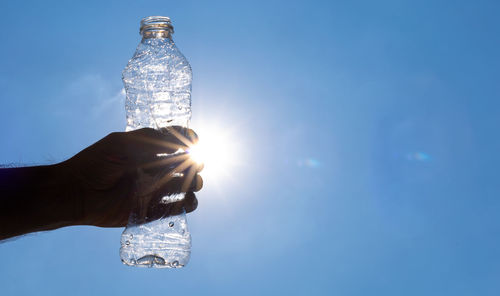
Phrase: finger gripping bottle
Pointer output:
(158, 86)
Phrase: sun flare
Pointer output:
(215, 150)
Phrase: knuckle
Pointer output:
(114, 136)
(200, 181)
(194, 204)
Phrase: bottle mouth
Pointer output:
(156, 24)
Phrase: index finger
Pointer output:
(166, 140)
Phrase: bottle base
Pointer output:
(163, 243)
(153, 261)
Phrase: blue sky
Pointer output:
(368, 134)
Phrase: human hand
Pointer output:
(122, 170)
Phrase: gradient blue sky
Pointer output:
(368, 133)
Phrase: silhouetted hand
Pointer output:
(122, 172)
(102, 184)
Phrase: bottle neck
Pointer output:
(156, 34)
(156, 27)
(157, 41)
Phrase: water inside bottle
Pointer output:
(163, 243)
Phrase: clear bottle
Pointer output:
(158, 85)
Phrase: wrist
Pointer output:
(36, 199)
(71, 193)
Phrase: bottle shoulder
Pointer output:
(157, 59)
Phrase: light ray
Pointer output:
(171, 174)
(219, 150)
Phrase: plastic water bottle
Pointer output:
(158, 85)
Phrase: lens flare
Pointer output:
(215, 150)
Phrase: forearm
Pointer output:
(35, 199)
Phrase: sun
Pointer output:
(216, 150)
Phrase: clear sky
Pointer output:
(367, 131)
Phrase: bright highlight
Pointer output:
(216, 150)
